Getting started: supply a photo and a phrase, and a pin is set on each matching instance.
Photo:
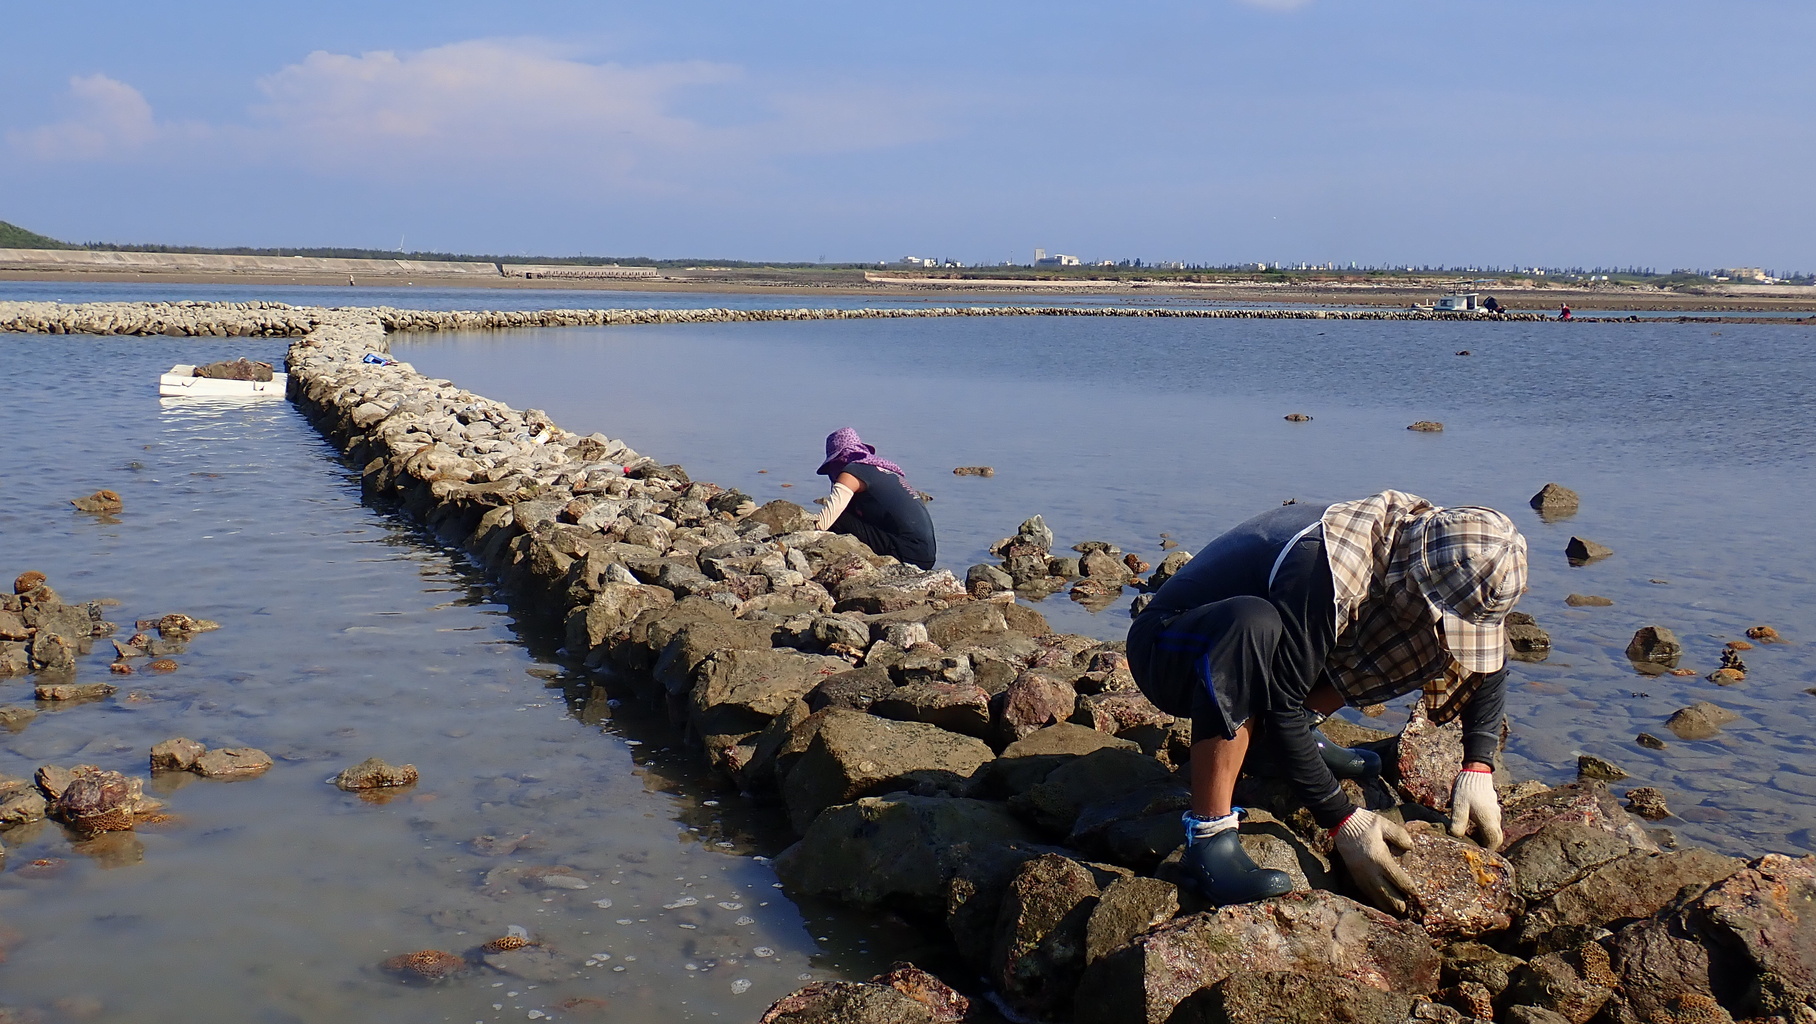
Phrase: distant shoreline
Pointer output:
(744, 282)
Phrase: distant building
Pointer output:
(1041, 259)
(1753, 274)
(920, 261)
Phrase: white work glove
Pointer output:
(1367, 842)
(745, 507)
(835, 506)
(1474, 806)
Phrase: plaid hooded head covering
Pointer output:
(844, 447)
(1422, 596)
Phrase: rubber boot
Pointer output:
(1343, 762)
(1347, 762)
(1222, 872)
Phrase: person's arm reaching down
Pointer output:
(844, 489)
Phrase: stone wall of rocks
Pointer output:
(273, 319)
(943, 754)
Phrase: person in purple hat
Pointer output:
(871, 500)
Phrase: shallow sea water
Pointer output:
(345, 634)
(1692, 447)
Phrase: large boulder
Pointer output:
(899, 849)
(846, 1002)
(612, 607)
(1574, 984)
(1035, 700)
(1294, 997)
(1101, 775)
(854, 690)
(1634, 886)
(1661, 967)
(970, 622)
(853, 754)
(1429, 757)
(1316, 933)
(1584, 802)
(1460, 890)
(1560, 853)
(1764, 917)
(691, 644)
(958, 707)
(1126, 908)
(756, 685)
(1040, 935)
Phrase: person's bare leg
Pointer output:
(1216, 764)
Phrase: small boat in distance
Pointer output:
(181, 382)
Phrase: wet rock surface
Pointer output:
(374, 773)
(766, 635)
(1315, 933)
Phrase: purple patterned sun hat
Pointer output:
(844, 447)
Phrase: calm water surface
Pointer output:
(345, 635)
(1693, 448)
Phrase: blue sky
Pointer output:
(1608, 133)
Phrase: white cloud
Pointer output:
(480, 98)
(110, 117)
(519, 107)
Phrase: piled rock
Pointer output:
(40, 634)
(951, 758)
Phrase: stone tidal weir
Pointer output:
(944, 755)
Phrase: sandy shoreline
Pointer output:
(1518, 299)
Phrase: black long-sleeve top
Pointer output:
(1279, 556)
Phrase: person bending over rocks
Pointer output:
(1308, 607)
(871, 501)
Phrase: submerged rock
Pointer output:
(74, 691)
(1655, 644)
(176, 755)
(230, 763)
(374, 773)
(1555, 500)
(426, 965)
(1582, 551)
(1700, 721)
(1588, 601)
(1648, 803)
(1588, 766)
(99, 801)
(100, 502)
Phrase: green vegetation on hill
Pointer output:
(12, 236)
